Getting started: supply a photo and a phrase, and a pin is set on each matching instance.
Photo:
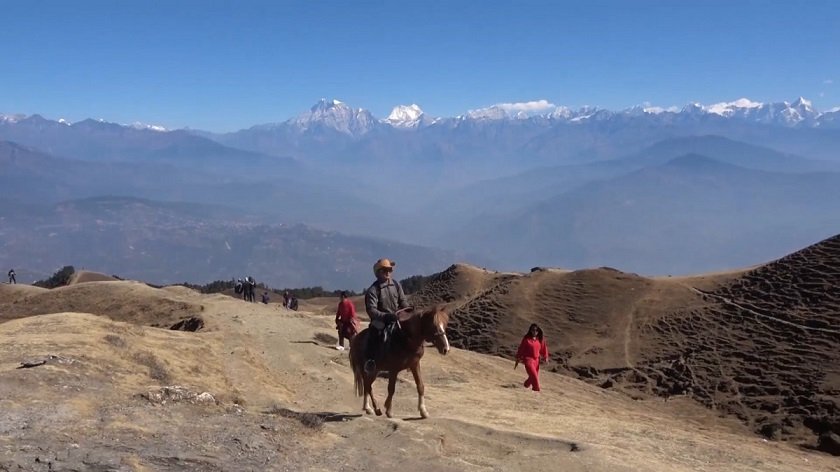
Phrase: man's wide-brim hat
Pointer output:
(383, 264)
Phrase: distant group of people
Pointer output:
(290, 301)
(246, 287)
(12, 279)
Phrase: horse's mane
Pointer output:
(440, 315)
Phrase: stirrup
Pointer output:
(370, 367)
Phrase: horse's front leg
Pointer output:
(369, 397)
(418, 380)
(392, 387)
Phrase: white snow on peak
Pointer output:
(833, 110)
(337, 115)
(405, 116)
(647, 109)
(139, 125)
(64, 122)
(561, 112)
(517, 110)
(652, 110)
(11, 118)
(728, 108)
(802, 102)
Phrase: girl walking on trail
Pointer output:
(531, 350)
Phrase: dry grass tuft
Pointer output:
(115, 341)
(157, 370)
(310, 420)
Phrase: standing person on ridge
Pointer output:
(12, 279)
(346, 321)
(383, 299)
(531, 351)
(249, 289)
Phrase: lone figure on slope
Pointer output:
(12, 279)
(383, 299)
(346, 322)
(531, 351)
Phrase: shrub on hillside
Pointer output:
(414, 284)
(59, 279)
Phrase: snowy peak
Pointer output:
(515, 110)
(405, 116)
(337, 115)
(731, 108)
(11, 118)
(144, 126)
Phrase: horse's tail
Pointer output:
(357, 381)
(357, 363)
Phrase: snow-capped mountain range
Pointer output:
(337, 115)
(16, 118)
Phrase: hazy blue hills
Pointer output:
(164, 242)
(31, 175)
(572, 188)
(691, 214)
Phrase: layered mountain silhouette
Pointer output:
(515, 185)
(168, 242)
(690, 214)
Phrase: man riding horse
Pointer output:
(383, 299)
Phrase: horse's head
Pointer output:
(433, 322)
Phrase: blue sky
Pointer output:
(223, 66)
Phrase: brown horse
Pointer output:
(404, 353)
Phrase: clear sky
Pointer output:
(223, 66)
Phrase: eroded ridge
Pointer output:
(766, 348)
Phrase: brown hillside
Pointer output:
(132, 302)
(264, 389)
(83, 276)
(762, 344)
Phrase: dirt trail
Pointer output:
(468, 392)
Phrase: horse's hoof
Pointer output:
(368, 411)
(424, 414)
(378, 412)
(388, 413)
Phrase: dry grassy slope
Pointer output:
(761, 344)
(88, 414)
(83, 276)
(135, 302)
(588, 316)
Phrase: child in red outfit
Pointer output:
(531, 350)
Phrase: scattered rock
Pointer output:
(49, 359)
(829, 442)
(176, 394)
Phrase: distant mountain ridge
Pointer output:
(532, 183)
(172, 242)
(335, 114)
(690, 214)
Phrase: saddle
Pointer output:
(387, 330)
